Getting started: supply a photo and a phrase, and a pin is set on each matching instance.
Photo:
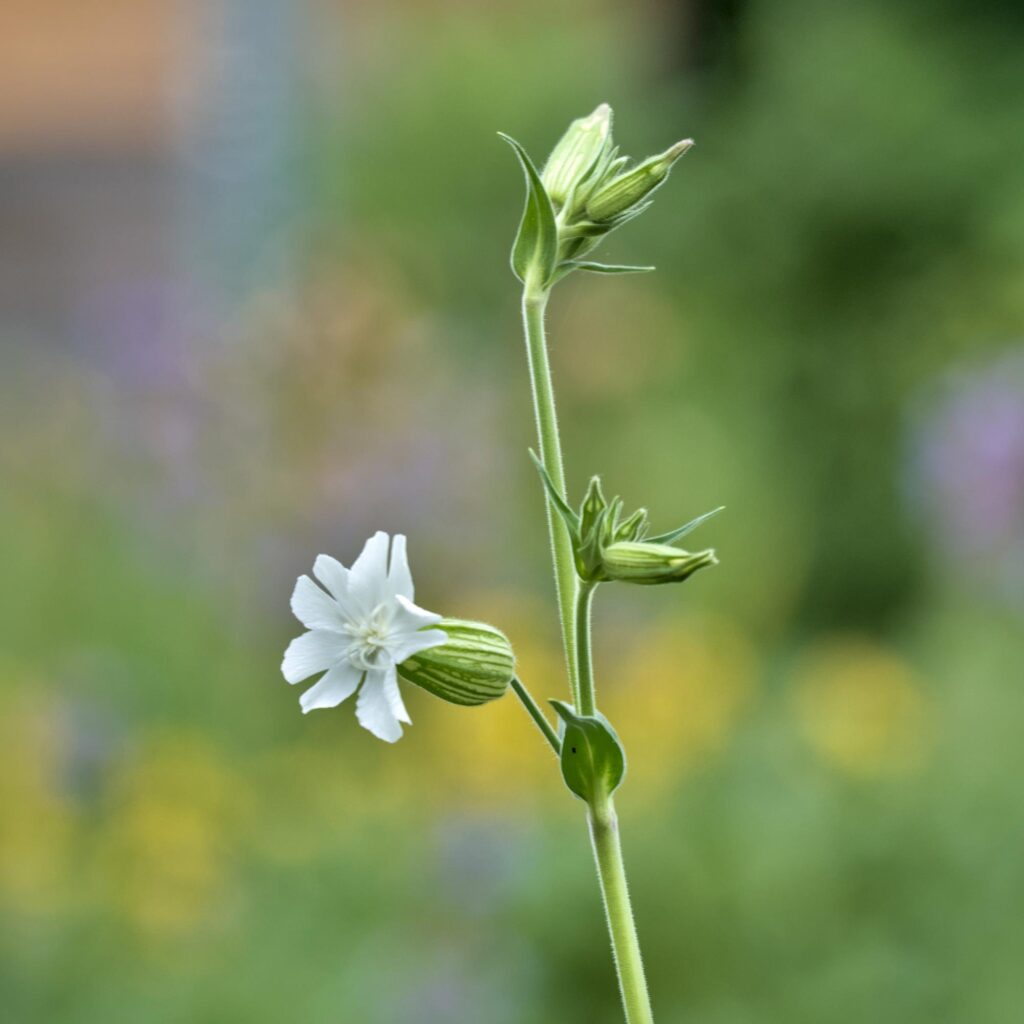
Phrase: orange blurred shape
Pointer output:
(85, 75)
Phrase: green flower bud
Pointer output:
(627, 190)
(637, 562)
(634, 527)
(594, 504)
(585, 141)
(474, 666)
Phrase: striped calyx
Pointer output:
(630, 188)
(636, 562)
(474, 666)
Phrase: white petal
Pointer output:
(313, 608)
(312, 652)
(338, 685)
(400, 577)
(394, 696)
(409, 616)
(333, 575)
(368, 577)
(373, 708)
(412, 643)
(372, 562)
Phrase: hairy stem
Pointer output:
(535, 300)
(574, 603)
(536, 714)
(584, 664)
(611, 871)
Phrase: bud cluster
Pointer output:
(592, 189)
(608, 547)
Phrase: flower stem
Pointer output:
(537, 715)
(535, 299)
(604, 836)
(587, 703)
(575, 603)
(611, 871)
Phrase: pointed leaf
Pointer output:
(572, 521)
(604, 268)
(592, 758)
(536, 242)
(674, 535)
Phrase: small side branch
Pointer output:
(537, 715)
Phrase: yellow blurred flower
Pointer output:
(861, 707)
(482, 755)
(676, 696)
(165, 852)
(326, 790)
(37, 822)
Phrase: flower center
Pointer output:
(370, 637)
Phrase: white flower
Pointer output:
(359, 631)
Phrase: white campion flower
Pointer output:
(360, 630)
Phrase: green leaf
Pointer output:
(536, 243)
(604, 268)
(572, 521)
(593, 761)
(674, 535)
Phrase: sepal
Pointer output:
(592, 758)
(673, 535)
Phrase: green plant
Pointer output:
(364, 632)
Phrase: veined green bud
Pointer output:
(576, 153)
(628, 189)
(636, 562)
(594, 504)
(634, 527)
(475, 665)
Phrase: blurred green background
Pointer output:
(255, 304)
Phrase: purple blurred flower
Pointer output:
(967, 471)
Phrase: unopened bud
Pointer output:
(593, 505)
(636, 562)
(632, 528)
(474, 666)
(576, 152)
(628, 189)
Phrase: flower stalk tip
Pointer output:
(585, 191)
